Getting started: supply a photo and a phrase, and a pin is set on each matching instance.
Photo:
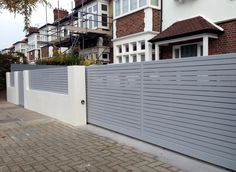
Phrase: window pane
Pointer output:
(126, 47)
(201, 50)
(117, 7)
(95, 22)
(90, 22)
(125, 6)
(142, 58)
(177, 53)
(95, 8)
(134, 46)
(134, 58)
(142, 3)
(133, 4)
(153, 57)
(120, 59)
(189, 50)
(126, 59)
(104, 7)
(105, 56)
(90, 10)
(104, 19)
(155, 2)
(142, 45)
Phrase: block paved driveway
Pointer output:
(32, 142)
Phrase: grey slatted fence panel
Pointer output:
(51, 80)
(22, 67)
(189, 105)
(114, 97)
(12, 79)
(186, 105)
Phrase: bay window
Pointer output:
(126, 6)
(188, 50)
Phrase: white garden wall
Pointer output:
(12, 87)
(66, 107)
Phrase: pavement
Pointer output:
(33, 142)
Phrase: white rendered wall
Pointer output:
(64, 107)
(215, 10)
(12, 92)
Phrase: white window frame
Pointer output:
(199, 44)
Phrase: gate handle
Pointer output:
(82, 102)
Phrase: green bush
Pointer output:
(65, 59)
(5, 65)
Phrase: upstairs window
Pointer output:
(126, 6)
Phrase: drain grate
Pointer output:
(8, 120)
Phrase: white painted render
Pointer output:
(64, 107)
(214, 10)
(12, 91)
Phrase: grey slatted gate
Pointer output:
(186, 105)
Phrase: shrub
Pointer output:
(66, 59)
(5, 65)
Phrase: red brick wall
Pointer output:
(130, 24)
(226, 43)
(166, 52)
(156, 20)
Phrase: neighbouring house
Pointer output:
(45, 37)
(21, 46)
(7, 50)
(33, 51)
(87, 30)
(135, 22)
(209, 32)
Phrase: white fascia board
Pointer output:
(186, 38)
(152, 33)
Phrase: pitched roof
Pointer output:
(22, 41)
(32, 30)
(188, 27)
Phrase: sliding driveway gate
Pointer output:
(186, 105)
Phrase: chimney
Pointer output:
(59, 13)
(33, 30)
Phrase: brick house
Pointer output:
(86, 30)
(33, 49)
(21, 46)
(185, 36)
(45, 36)
(135, 22)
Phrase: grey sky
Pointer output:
(11, 27)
